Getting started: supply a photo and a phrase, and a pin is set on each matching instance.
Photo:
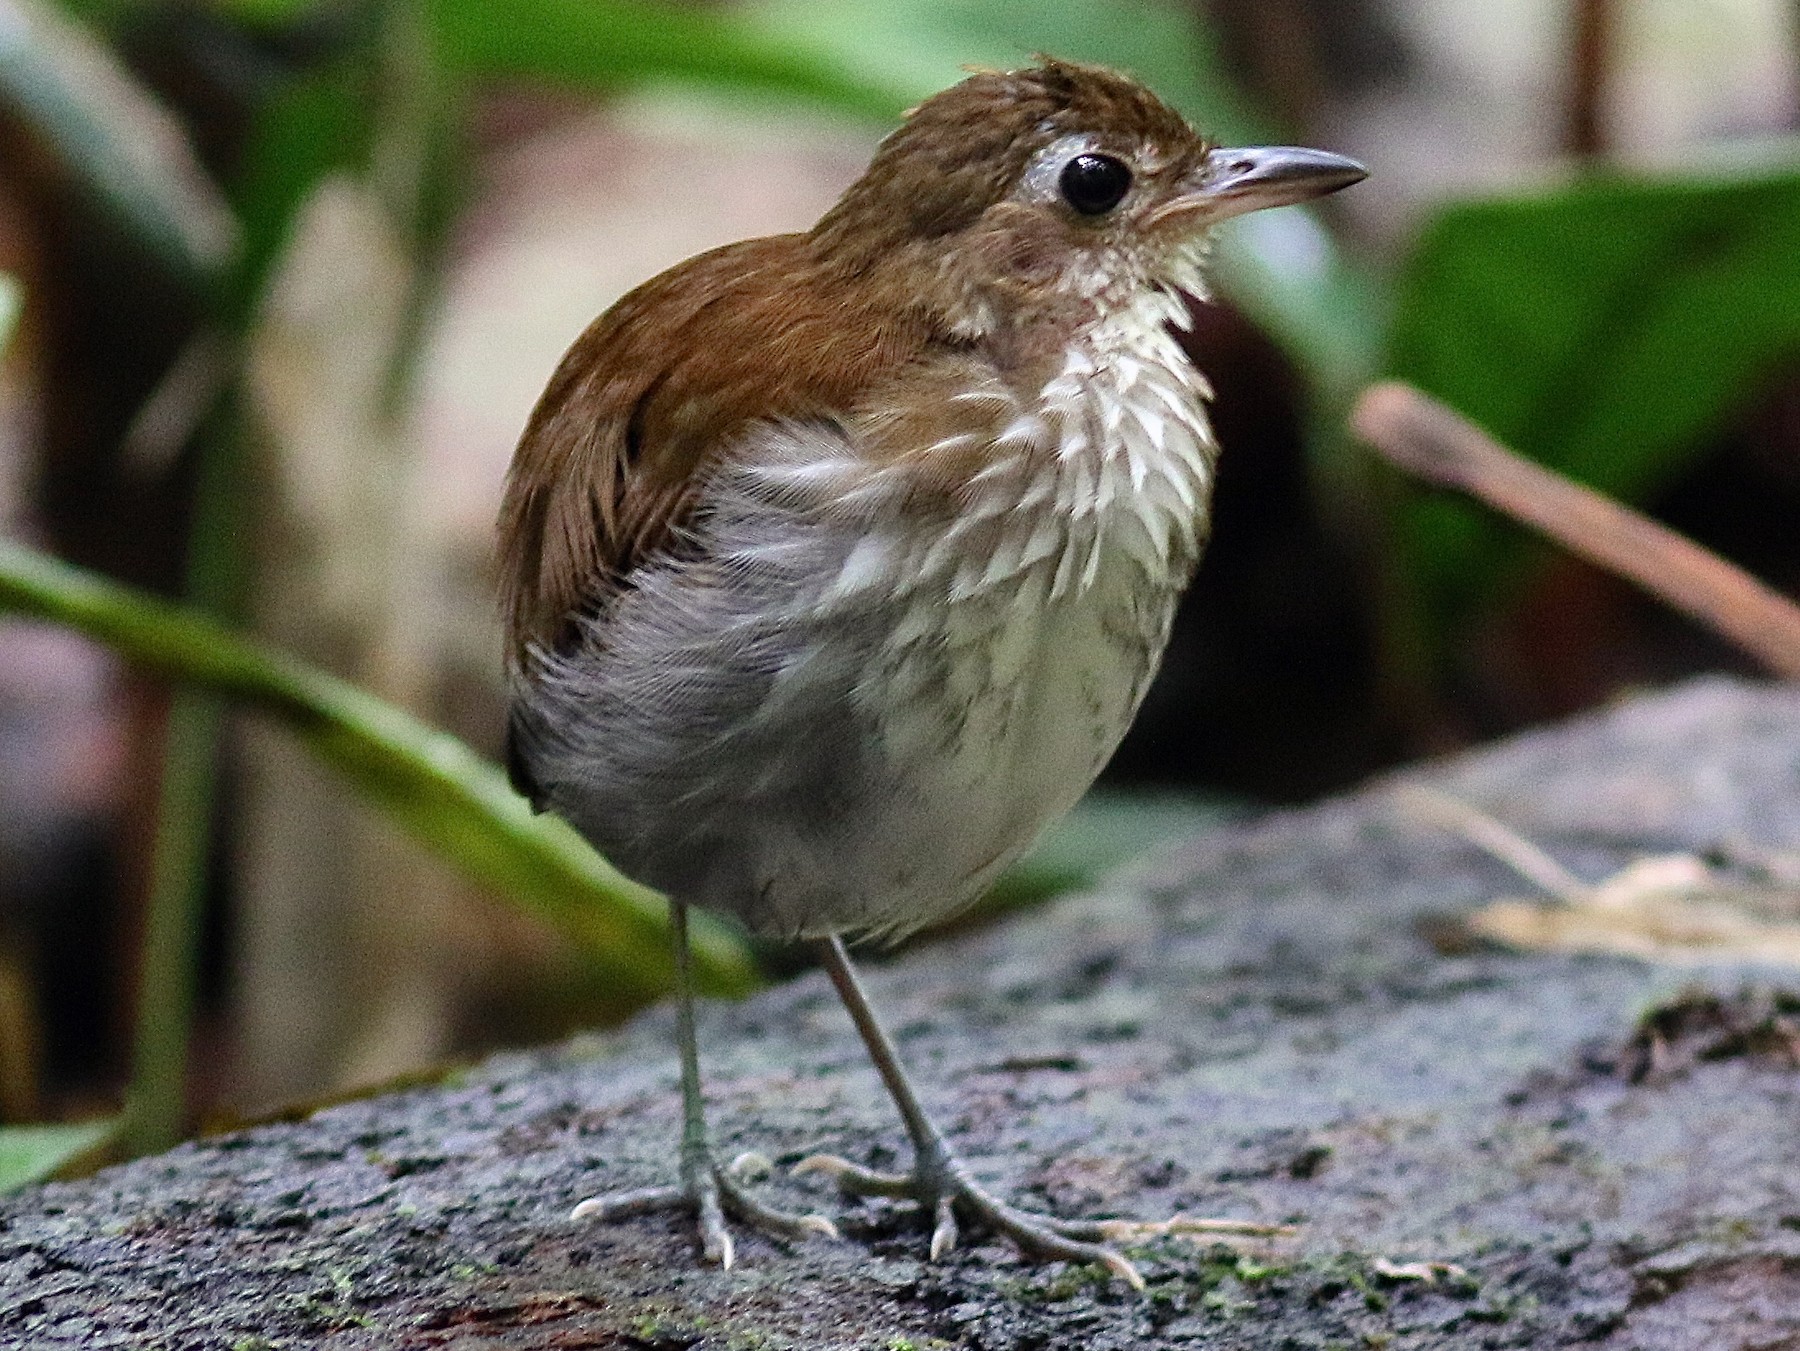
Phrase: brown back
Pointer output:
(652, 393)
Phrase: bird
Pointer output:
(835, 564)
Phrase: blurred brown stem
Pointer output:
(1425, 438)
(1590, 66)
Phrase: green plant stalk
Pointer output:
(155, 1115)
(415, 166)
(453, 800)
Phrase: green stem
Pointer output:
(155, 1114)
(156, 1103)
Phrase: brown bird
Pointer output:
(836, 564)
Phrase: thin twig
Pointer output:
(1591, 47)
(1493, 837)
(189, 391)
(1424, 437)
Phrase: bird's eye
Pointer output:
(1094, 184)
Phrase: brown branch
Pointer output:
(1590, 69)
(1423, 437)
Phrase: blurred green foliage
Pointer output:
(32, 1153)
(1605, 327)
(602, 44)
(113, 137)
(916, 47)
(428, 782)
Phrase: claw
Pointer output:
(939, 1180)
(715, 1240)
(752, 1211)
(943, 1233)
(857, 1180)
(944, 1184)
(750, 1166)
(622, 1205)
(1121, 1266)
(710, 1193)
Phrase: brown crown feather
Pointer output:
(961, 150)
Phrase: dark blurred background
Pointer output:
(290, 273)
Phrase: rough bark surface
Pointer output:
(1276, 1023)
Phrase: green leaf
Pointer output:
(112, 136)
(32, 1153)
(316, 126)
(601, 44)
(1606, 328)
(451, 799)
(267, 13)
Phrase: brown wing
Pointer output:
(655, 389)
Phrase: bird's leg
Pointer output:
(941, 1182)
(707, 1189)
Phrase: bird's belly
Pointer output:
(995, 730)
(872, 775)
(955, 733)
(839, 712)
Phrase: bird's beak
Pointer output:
(1231, 182)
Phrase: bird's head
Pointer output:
(1059, 192)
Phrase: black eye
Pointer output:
(1094, 184)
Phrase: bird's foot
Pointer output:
(943, 1186)
(710, 1193)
